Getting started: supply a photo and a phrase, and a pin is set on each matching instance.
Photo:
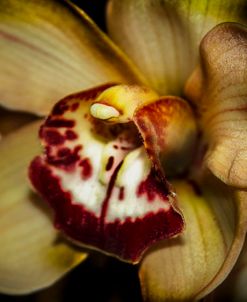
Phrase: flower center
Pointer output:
(166, 124)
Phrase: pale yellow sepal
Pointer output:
(32, 254)
(162, 37)
(190, 266)
(49, 49)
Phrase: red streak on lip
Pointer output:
(109, 163)
(108, 194)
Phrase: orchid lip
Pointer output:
(99, 178)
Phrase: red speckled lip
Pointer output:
(93, 176)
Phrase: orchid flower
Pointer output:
(143, 145)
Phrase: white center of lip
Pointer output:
(103, 111)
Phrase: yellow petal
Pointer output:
(190, 266)
(32, 255)
(219, 89)
(49, 49)
(162, 36)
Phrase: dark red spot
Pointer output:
(71, 135)
(87, 169)
(68, 158)
(60, 108)
(63, 152)
(121, 193)
(109, 163)
(115, 146)
(59, 123)
(74, 107)
(52, 137)
(152, 188)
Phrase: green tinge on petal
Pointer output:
(32, 255)
(49, 49)
(193, 264)
(162, 37)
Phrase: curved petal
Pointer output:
(169, 132)
(32, 255)
(49, 49)
(189, 267)
(102, 186)
(219, 89)
(162, 36)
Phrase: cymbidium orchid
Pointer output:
(143, 158)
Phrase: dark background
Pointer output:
(99, 278)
